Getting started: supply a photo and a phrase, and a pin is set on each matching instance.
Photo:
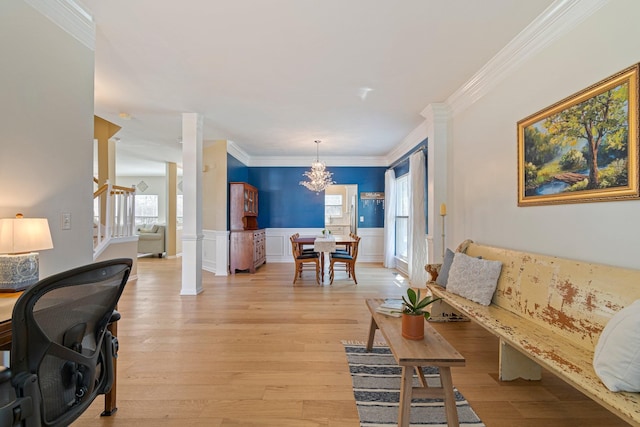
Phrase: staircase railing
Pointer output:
(114, 214)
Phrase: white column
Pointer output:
(192, 235)
(437, 117)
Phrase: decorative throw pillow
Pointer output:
(149, 228)
(473, 278)
(616, 359)
(444, 270)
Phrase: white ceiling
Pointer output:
(273, 76)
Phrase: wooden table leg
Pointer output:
(421, 377)
(449, 396)
(406, 388)
(110, 398)
(372, 334)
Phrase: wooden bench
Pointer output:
(549, 312)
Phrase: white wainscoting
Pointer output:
(371, 247)
(215, 246)
(215, 252)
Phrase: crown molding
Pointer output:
(238, 153)
(71, 17)
(300, 161)
(305, 161)
(416, 136)
(558, 19)
(436, 113)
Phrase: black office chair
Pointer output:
(62, 353)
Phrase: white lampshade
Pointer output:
(21, 235)
(19, 239)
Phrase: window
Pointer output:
(332, 206)
(179, 204)
(402, 217)
(146, 208)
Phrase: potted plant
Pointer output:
(414, 313)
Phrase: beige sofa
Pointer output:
(151, 239)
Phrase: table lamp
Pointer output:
(19, 238)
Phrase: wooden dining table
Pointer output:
(324, 244)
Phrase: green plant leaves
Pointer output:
(414, 305)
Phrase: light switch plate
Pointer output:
(66, 221)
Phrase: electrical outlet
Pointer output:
(66, 221)
(361, 219)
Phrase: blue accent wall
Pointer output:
(236, 170)
(284, 203)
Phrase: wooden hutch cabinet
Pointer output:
(247, 242)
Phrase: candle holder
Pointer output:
(443, 236)
(443, 213)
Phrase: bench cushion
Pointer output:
(616, 358)
(473, 278)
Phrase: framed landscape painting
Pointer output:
(583, 148)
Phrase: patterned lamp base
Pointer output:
(18, 272)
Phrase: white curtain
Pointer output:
(389, 218)
(417, 220)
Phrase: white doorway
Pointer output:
(341, 209)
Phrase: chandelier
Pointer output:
(318, 177)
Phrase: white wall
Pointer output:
(157, 185)
(46, 131)
(482, 175)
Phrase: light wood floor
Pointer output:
(253, 350)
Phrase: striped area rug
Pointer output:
(376, 386)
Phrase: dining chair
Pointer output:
(302, 258)
(302, 248)
(347, 247)
(346, 260)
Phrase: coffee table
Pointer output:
(432, 350)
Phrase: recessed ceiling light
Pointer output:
(363, 92)
(125, 116)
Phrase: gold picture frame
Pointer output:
(583, 148)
